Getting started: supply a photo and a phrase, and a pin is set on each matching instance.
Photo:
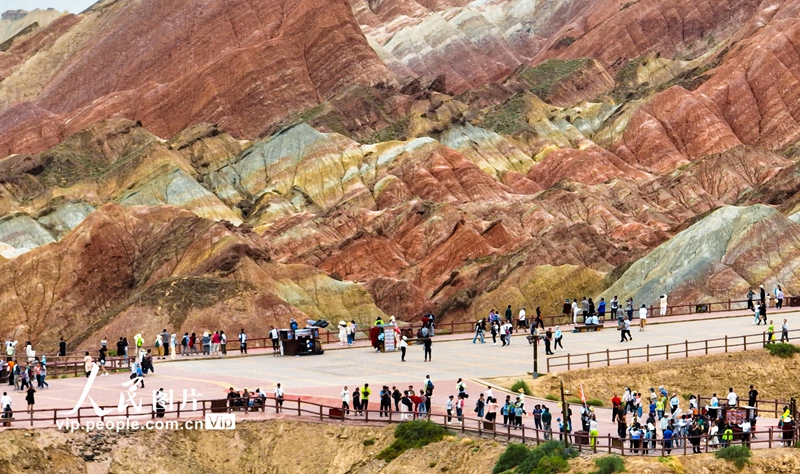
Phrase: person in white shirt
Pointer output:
(345, 401)
(779, 295)
(403, 347)
(576, 310)
(523, 323)
(87, 364)
(450, 409)
(5, 401)
(732, 397)
(594, 431)
(278, 399)
(745, 432)
(663, 308)
(427, 382)
(642, 317)
(489, 393)
(714, 401)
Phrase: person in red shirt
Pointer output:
(616, 402)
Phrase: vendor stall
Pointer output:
(300, 341)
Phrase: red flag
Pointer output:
(583, 395)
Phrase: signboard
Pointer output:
(388, 339)
(735, 416)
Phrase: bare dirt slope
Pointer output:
(772, 376)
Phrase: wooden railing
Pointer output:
(661, 352)
(453, 327)
(771, 437)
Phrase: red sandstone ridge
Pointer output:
(174, 64)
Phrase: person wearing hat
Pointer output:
(403, 345)
(342, 332)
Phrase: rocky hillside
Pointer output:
(273, 447)
(391, 157)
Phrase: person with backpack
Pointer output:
(185, 344)
(365, 393)
(243, 342)
(159, 347)
(406, 406)
(278, 399)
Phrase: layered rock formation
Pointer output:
(222, 62)
(15, 22)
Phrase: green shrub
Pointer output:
(412, 435)
(112, 353)
(552, 398)
(609, 465)
(550, 448)
(783, 350)
(594, 402)
(738, 455)
(369, 442)
(552, 464)
(686, 396)
(574, 401)
(521, 384)
(512, 457)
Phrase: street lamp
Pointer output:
(535, 343)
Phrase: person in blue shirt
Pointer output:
(293, 325)
(601, 308)
(667, 435)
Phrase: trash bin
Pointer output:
(793, 301)
(581, 438)
(336, 413)
(488, 426)
(617, 443)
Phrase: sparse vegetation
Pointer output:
(595, 402)
(738, 455)
(541, 78)
(412, 435)
(783, 350)
(547, 458)
(369, 442)
(509, 117)
(521, 384)
(563, 42)
(609, 465)
(395, 131)
(551, 397)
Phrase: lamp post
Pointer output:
(535, 343)
(564, 412)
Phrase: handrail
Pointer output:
(647, 353)
(311, 410)
(453, 327)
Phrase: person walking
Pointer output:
(403, 346)
(750, 296)
(626, 331)
(426, 347)
(576, 310)
(494, 329)
(522, 322)
(785, 331)
(752, 397)
(480, 326)
(771, 332)
(102, 360)
(548, 338)
(30, 398)
(642, 317)
(663, 301)
(480, 406)
(87, 363)
(159, 347)
(558, 336)
(62, 347)
(223, 342)
(584, 309)
(460, 407)
(509, 316)
(779, 295)
(173, 344)
(242, 342)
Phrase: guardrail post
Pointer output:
(320, 413)
(706, 341)
(770, 437)
(726, 343)
(744, 343)
(568, 357)
(628, 355)
(608, 358)
(548, 365)
(648, 353)
(667, 353)
(687, 347)
(588, 361)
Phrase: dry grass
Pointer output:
(773, 377)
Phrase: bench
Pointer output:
(587, 328)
